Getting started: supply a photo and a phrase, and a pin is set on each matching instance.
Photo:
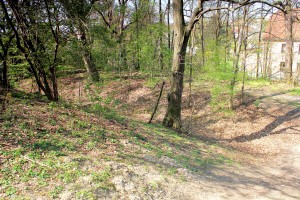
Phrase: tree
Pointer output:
(114, 16)
(6, 38)
(78, 12)
(36, 28)
(182, 32)
(288, 15)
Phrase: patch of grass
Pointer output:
(70, 175)
(295, 92)
(81, 124)
(106, 112)
(152, 82)
(227, 112)
(85, 194)
(187, 151)
(102, 179)
(172, 171)
(297, 104)
(10, 191)
(154, 185)
(56, 191)
(257, 82)
(257, 102)
(91, 145)
(52, 105)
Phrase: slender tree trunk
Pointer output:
(3, 75)
(86, 53)
(5, 83)
(245, 61)
(202, 41)
(137, 47)
(218, 23)
(227, 45)
(89, 65)
(238, 42)
(161, 58)
(54, 82)
(258, 57)
(192, 45)
(169, 29)
(289, 43)
(169, 33)
(217, 34)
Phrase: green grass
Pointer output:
(152, 82)
(297, 104)
(295, 92)
(257, 82)
(53, 145)
(257, 102)
(187, 151)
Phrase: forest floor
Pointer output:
(96, 144)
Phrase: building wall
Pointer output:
(271, 57)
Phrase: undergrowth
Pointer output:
(48, 147)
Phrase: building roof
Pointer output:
(275, 29)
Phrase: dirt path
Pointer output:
(268, 130)
(277, 133)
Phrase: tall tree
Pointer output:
(6, 38)
(288, 14)
(36, 29)
(161, 63)
(78, 12)
(114, 15)
(182, 32)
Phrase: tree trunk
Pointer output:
(245, 60)
(173, 115)
(258, 57)
(161, 63)
(202, 42)
(86, 53)
(238, 42)
(137, 35)
(89, 65)
(5, 83)
(169, 29)
(289, 43)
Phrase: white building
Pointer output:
(272, 54)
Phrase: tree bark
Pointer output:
(173, 115)
(258, 57)
(169, 29)
(202, 42)
(289, 43)
(238, 42)
(86, 53)
(161, 59)
(89, 65)
(29, 48)
(5, 83)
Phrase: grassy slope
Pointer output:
(47, 148)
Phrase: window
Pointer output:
(283, 47)
(282, 66)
